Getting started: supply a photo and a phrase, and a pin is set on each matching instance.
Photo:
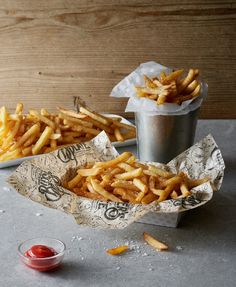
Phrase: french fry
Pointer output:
(140, 185)
(72, 183)
(130, 174)
(101, 126)
(191, 87)
(31, 131)
(43, 139)
(171, 88)
(72, 114)
(118, 135)
(149, 83)
(71, 121)
(99, 189)
(43, 119)
(27, 151)
(134, 182)
(123, 157)
(125, 194)
(87, 194)
(89, 172)
(20, 130)
(19, 109)
(171, 77)
(184, 189)
(125, 166)
(148, 198)
(125, 185)
(162, 76)
(158, 171)
(10, 155)
(186, 81)
(195, 182)
(156, 244)
(94, 116)
(118, 250)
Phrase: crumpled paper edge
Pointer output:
(41, 179)
(125, 88)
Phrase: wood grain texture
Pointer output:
(62, 52)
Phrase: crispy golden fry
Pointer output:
(27, 151)
(90, 195)
(72, 183)
(123, 157)
(195, 182)
(31, 131)
(174, 194)
(125, 184)
(43, 119)
(159, 246)
(94, 116)
(149, 83)
(125, 166)
(132, 182)
(101, 126)
(130, 174)
(184, 189)
(44, 138)
(171, 88)
(191, 87)
(89, 171)
(125, 194)
(158, 171)
(91, 131)
(124, 126)
(148, 198)
(118, 135)
(99, 189)
(171, 77)
(186, 81)
(71, 121)
(10, 155)
(31, 140)
(72, 114)
(162, 76)
(19, 109)
(118, 250)
(140, 185)
(19, 130)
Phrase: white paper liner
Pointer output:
(41, 180)
(126, 88)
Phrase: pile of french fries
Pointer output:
(41, 132)
(171, 88)
(123, 179)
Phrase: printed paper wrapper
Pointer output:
(126, 88)
(41, 179)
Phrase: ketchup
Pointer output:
(43, 253)
(40, 251)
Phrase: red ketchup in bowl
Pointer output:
(40, 251)
(41, 257)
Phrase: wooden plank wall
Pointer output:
(56, 52)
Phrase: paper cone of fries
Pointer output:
(42, 179)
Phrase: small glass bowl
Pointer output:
(42, 264)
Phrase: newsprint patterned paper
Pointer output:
(41, 179)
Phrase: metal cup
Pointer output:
(161, 138)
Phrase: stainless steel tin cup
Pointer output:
(161, 138)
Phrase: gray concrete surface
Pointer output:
(202, 249)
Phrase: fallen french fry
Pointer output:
(118, 250)
(156, 244)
